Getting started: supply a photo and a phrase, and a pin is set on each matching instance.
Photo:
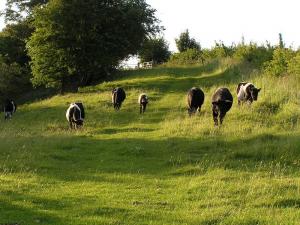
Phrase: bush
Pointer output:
(188, 57)
(220, 50)
(253, 53)
(279, 64)
(294, 65)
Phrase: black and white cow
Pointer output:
(75, 115)
(118, 96)
(195, 98)
(247, 92)
(221, 103)
(143, 101)
(10, 107)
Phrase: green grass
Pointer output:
(162, 167)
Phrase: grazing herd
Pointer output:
(222, 101)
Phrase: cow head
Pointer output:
(254, 93)
(79, 123)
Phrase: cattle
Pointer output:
(221, 103)
(10, 107)
(118, 96)
(195, 98)
(75, 115)
(143, 101)
(247, 92)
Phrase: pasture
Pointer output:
(162, 167)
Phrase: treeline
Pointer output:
(274, 60)
(65, 44)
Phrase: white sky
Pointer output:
(229, 20)
(210, 20)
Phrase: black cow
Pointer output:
(195, 98)
(10, 107)
(247, 92)
(143, 101)
(221, 104)
(118, 96)
(75, 115)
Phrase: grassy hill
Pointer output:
(162, 167)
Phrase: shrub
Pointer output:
(279, 64)
(253, 53)
(294, 65)
(188, 57)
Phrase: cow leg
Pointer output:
(141, 108)
(71, 125)
(199, 109)
(144, 107)
(239, 102)
(215, 111)
(222, 115)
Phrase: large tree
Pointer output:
(12, 43)
(77, 41)
(14, 61)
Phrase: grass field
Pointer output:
(162, 167)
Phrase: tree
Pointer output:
(154, 49)
(184, 42)
(68, 52)
(13, 80)
(17, 10)
(12, 43)
(281, 43)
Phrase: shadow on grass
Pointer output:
(15, 214)
(85, 158)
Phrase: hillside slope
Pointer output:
(162, 167)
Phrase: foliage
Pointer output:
(185, 42)
(279, 64)
(78, 51)
(155, 49)
(281, 43)
(18, 10)
(188, 57)
(12, 43)
(294, 65)
(253, 53)
(219, 50)
(13, 80)
(14, 61)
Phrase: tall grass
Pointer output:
(162, 167)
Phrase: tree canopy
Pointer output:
(77, 41)
(185, 42)
(17, 10)
(154, 49)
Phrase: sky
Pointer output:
(213, 20)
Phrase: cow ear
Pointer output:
(259, 89)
